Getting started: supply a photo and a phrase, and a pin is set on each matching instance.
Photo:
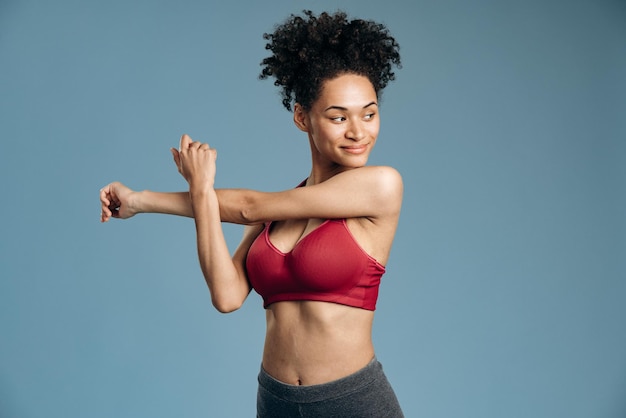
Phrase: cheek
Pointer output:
(374, 129)
(329, 133)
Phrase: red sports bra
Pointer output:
(326, 265)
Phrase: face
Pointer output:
(343, 123)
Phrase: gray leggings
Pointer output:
(366, 393)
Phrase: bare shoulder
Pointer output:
(384, 177)
(377, 176)
(383, 184)
(364, 192)
(375, 232)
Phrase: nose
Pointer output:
(355, 131)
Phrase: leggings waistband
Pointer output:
(315, 393)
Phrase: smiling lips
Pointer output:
(355, 149)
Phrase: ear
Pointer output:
(300, 118)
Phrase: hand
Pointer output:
(117, 202)
(195, 162)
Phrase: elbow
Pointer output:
(248, 212)
(226, 306)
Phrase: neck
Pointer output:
(322, 170)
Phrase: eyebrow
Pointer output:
(345, 108)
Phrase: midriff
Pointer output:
(309, 342)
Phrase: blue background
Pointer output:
(505, 294)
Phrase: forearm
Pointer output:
(228, 288)
(232, 203)
(171, 203)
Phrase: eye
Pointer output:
(338, 119)
(369, 116)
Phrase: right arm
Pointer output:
(119, 201)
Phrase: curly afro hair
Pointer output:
(308, 50)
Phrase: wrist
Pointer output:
(200, 190)
(138, 201)
(203, 201)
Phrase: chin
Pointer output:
(355, 164)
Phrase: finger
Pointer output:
(108, 202)
(104, 200)
(185, 140)
(197, 145)
(104, 207)
(105, 213)
(177, 160)
(176, 157)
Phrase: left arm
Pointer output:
(373, 192)
(225, 276)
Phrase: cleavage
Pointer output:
(285, 235)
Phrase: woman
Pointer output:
(315, 253)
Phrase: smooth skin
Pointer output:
(307, 342)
